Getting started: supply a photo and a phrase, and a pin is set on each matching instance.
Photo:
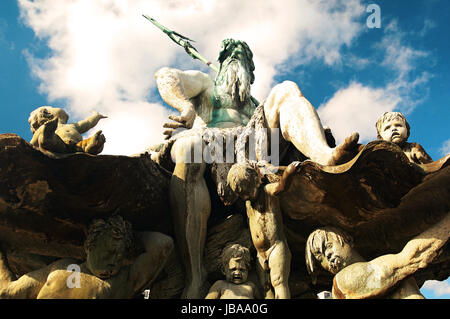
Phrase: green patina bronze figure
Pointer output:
(102, 275)
(226, 105)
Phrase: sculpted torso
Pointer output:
(227, 113)
(229, 290)
(68, 133)
(201, 102)
(91, 287)
(265, 222)
(218, 110)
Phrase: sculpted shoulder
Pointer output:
(192, 82)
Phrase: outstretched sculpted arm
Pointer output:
(375, 278)
(35, 139)
(276, 188)
(177, 88)
(85, 125)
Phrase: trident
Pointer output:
(188, 47)
(182, 41)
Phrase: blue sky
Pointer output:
(85, 55)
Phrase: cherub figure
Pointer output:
(266, 225)
(388, 276)
(235, 264)
(102, 275)
(393, 127)
(52, 133)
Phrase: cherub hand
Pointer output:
(416, 156)
(185, 120)
(292, 168)
(226, 194)
(50, 126)
(99, 116)
(93, 145)
(295, 164)
(420, 156)
(286, 179)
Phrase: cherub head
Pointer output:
(44, 114)
(329, 247)
(393, 127)
(106, 245)
(235, 263)
(245, 180)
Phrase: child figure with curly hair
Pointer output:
(393, 127)
(235, 264)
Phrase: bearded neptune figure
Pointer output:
(226, 103)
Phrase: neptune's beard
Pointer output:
(234, 81)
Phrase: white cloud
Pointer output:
(132, 133)
(445, 149)
(427, 26)
(357, 107)
(439, 288)
(400, 57)
(403, 59)
(104, 53)
(4, 42)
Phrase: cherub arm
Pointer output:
(215, 291)
(276, 188)
(419, 155)
(374, 278)
(148, 265)
(35, 139)
(177, 88)
(85, 125)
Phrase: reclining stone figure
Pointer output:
(388, 276)
(102, 275)
(52, 133)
